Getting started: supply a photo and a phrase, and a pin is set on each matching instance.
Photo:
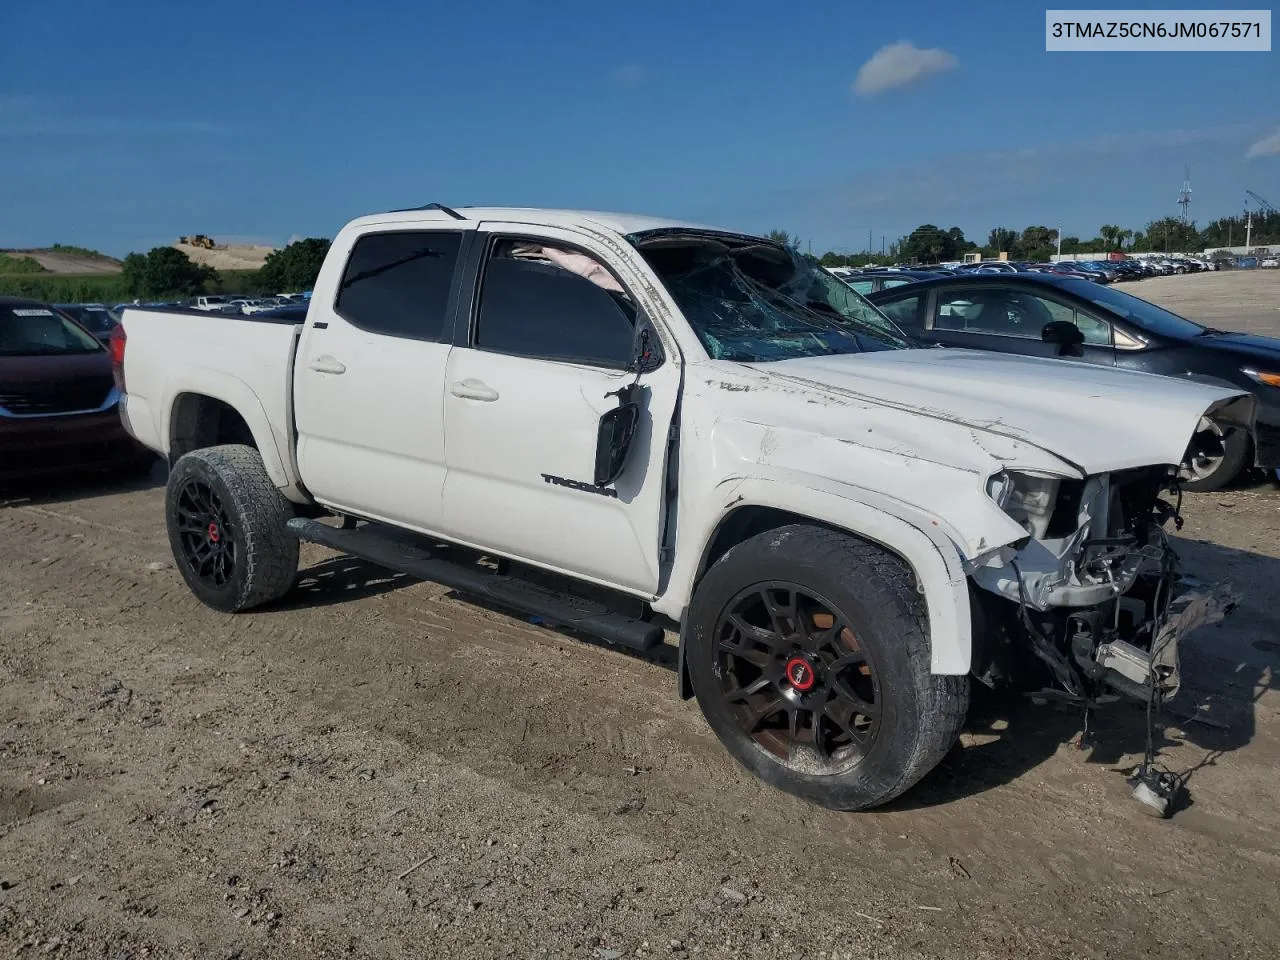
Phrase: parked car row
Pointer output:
(1066, 317)
(1262, 260)
(874, 279)
(247, 306)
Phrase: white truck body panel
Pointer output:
(370, 425)
(894, 446)
(246, 365)
(1099, 419)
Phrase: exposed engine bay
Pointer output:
(1094, 591)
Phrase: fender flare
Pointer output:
(913, 535)
(238, 395)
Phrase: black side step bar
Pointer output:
(386, 547)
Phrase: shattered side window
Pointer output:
(752, 301)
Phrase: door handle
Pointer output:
(471, 389)
(327, 364)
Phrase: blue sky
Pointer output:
(124, 124)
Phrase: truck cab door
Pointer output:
(369, 375)
(555, 323)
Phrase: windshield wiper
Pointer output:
(383, 268)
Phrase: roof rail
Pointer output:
(434, 206)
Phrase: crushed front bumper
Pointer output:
(1152, 665)
(1094, 592)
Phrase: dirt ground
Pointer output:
(1246, 300)
(377, 768)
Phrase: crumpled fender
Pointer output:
(918, 538)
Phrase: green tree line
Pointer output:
(928, 243)
(166, 273)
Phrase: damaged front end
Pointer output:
(1093, 591)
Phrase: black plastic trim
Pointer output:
(432, 206)
(398, 550)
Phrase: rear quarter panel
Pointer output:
(247, 365)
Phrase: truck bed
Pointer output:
(244, 361)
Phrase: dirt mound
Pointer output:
(59, 261)
(228, 256)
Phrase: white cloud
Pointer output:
(899, 65)
(628, 76)
(1266, 147)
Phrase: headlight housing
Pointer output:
(1028, 498)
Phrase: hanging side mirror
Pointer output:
(613, 438)
(646, 355)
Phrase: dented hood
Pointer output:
(1099, 419)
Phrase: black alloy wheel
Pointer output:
(206, 534)
(228, 528)
(809, 652)
(796, 679)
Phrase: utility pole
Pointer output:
(882, 244)
(1248, 229)
(1059, 239)
(871, 245)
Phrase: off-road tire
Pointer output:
(266, 554)
(876, 591)
(1235, 459)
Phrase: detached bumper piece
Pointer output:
(1132, 649)
(1143, 673)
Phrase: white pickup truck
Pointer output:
(630, 425)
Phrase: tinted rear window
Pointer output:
(398, 284)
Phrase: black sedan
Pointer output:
(93, 317)
(1044, 315)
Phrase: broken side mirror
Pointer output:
(646, 353)
(614, 435)
(1063, 333)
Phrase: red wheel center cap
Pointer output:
(800, 674)
(214, 534)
